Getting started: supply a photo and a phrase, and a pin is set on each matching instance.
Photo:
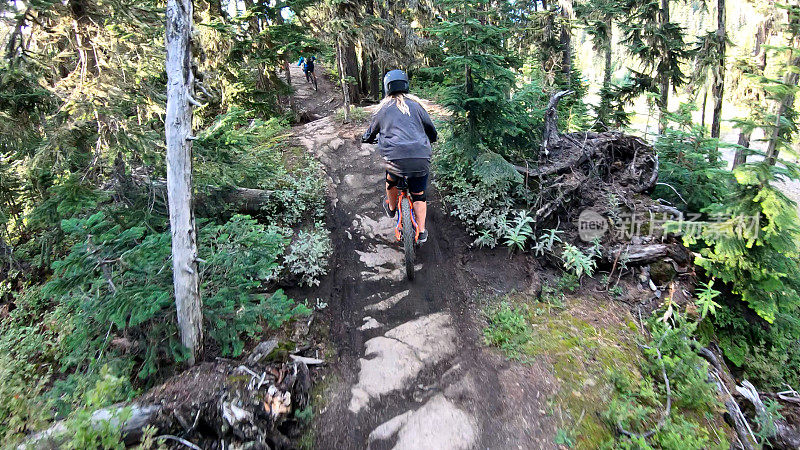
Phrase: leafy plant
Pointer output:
(564, 437)
(754, 245)
(705, 299)
(567, 282)
(308, 255)
(506, 329)
(766, 420)
(691, 168)
(577, 262)
(546, 241)
(518, 234)
(637, 403)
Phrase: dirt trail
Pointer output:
(412, 370)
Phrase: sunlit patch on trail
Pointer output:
(398, 356)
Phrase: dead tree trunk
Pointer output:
(551, 134)
(565, 40)
(179, 175)
(343, 80)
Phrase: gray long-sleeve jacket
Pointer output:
(400, 135)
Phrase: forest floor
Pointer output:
(411, 369)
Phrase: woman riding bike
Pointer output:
(404, 133)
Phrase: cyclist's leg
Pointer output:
(391, 190)
(417, 187)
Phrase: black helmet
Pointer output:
(395, 81)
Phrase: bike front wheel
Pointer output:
(408, 236)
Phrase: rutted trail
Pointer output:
(413, 371)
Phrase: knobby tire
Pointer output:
(408, 237)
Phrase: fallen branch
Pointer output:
(306, 360)
(177, 439)
(785, 437)
(244, 200)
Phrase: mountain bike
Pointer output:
(313, 77)
(406, 229)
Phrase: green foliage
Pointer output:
(705, 299)
(357, 114)
(568, 282)
(239, 150)
(767, 354)
(766, 420)
(118, 280)
(636, 404)
(83, 431)
(564, 437)
(546, 241)
(506, 328)
(690, 166)
(754, 245)
(578, 262)
(308, 255)
(519, 231)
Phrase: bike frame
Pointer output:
(402, 188)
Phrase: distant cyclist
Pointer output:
(404, 133)
(310, 75)
(304, 63)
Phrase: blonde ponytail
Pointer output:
(399, 101)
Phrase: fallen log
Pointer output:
(242, 200)
(213, 401)
(140, 417)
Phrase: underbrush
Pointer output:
(357, 114)
(105, 318)
(609, 371)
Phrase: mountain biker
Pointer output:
(304, 63)
(309, 67)
(404, 133)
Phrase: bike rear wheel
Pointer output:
(408, 236)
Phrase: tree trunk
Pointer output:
(663, 77)
(375, 77)
(565, 39)
(703, 110)
(605, 99)
(345, 87)
(760, 59)
(740, 157)
(790, 79)
(718, 88)
(179, 175)
(350, 62)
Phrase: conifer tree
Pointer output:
(478, 70)
(783, 91)
(599, 16)
(659, 46)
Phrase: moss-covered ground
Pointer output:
(587, 342)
